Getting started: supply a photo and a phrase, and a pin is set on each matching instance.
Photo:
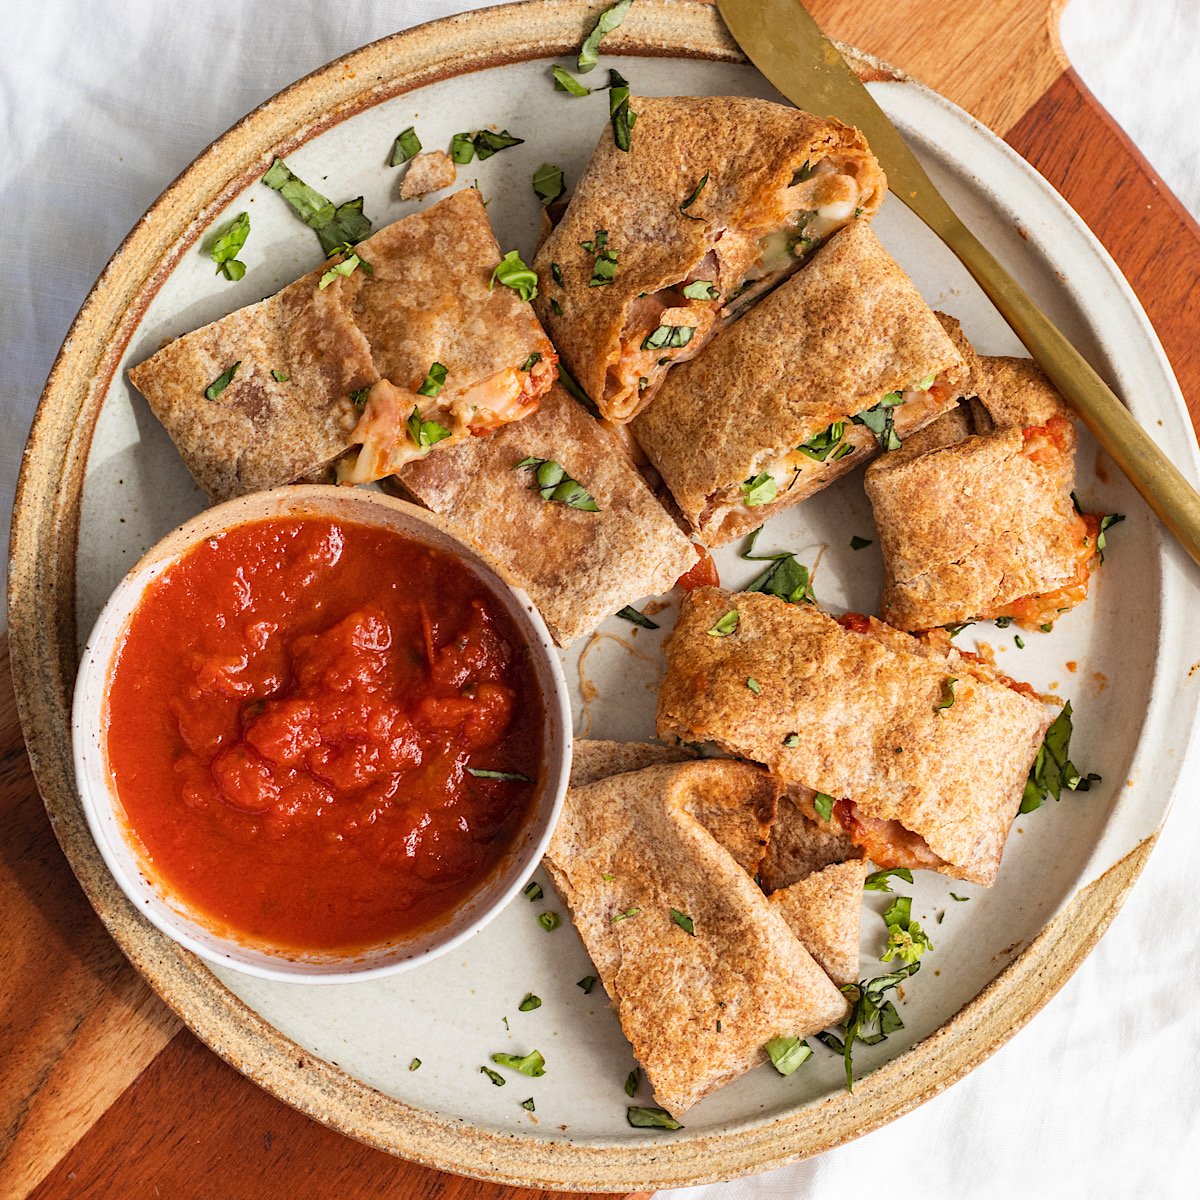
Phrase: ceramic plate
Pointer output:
(103, 483)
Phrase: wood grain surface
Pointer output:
(101, 1093)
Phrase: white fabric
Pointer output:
(104, 103)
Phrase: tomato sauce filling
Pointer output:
(292, 720)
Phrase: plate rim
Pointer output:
(44, 654)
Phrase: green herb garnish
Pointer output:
(787, 1053)
(532, 361)
(620, 117)
(819, 445)
(513, 273)
(683, 208)
(878, 419)
(960, 899)
(347, 266)
(1020, 641)
(564, 81)
(484, 143)
(668, 337)
(823, 806)
(556, 274)
(792, 741)
(553, 482)
(685, 923)
(528, 1104)
(494, 1076)
(548, 184)
(632, 1080)
(1053, 770)
(280, 377)
(224, 250)
(629, 912)
(412, 1066)
(905, 936)
(1106, 523)
(947, 699)
(701, 289)
(568, 380)
(651, 1118)
(785, 578)
(955, 630)
(1003, 622)
(549, 921)
(344, 224)
(867, 1011)
(758, 490)
(359, 398)
(221, 382)
(532, 1064)
(434, 380)
(858, 543)
(425, 433)
(726, 625)
(587, 983)
(589, 52)
(407, 145)
(877, 881)
(511, 776)
(533, 890)
(629, 613)
(529, 1003)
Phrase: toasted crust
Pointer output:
(750, 150)
(824, 911)
(592, 759)
(427, 301)
(742, 967)
(831, 341)
(428, 172)
(970, 525)
(578, 567)
(798, 845)
(869, 729)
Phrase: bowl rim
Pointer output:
(97, 789)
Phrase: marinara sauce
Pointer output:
(292, 722)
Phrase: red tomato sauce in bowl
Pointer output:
(313, 727)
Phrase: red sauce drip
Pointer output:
(703, 574)
(855, 622)
(290, 723)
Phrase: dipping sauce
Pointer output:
(293, 721)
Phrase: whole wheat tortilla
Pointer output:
(864, 709)
(823, 346)
(740, 969)
(798, 845)
(749, 150)
(427, 301)
(578, 567)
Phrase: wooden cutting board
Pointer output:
(102, 1093)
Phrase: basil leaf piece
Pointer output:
(692, 200)
(1020, 641)
(877, 881)
(1052, 769)
(905, 937)
(556, 274)
(494, 1076)
(702, 289)
(651, 1118)
(668, 337)
(407, 145)
(685, 923)
(859, 543)
(758, 490)
(960, 899)
(533, 891)
(868, 1009)
(224, 250)
(629, 912)
(823, 806)
(434, 380)
(604, 269)
(462, 148)
(787, 579)
(632, 1080)
(280, 377)
(841, 452)
(1003, 622)
(629, 613)
(532, 361)
(529, 1003)
(548, 184)
(947, 700)
(488, 143)
(359, 398)
(955, 630)
(725, 626)
(344, 224)
(532, 1064)
(347, 266)
(587, 983)
(878, 419)
(549, 921)
(221, 382)
(553, 482)
(1106, 523)
(788, 1053)
(792, 741)
(619, 116)
(528, 1105)
(513, 273)
(564, 81)
(425, 433)
(589, 52)
(609, 878)
(753, 685)
(819, 445)
(480, 773)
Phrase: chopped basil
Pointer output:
(534, 891)
(621, 118)
(425, 433)
(513, 273)
(280, 377)
(726, 625)
(531, 1064)
(587, 983)
(685, 923)
(610, 878)
(564, 81)
(484, 143)
(1106, 523)
(1003, 622)
(785, 578)
(553, 482)
(702, 289)
(532, 361)
(905, 937)
(556, 308)
(528, 1104)
(549, 921)
(792, 741)
(556, 274)
(632, 1080)
(947, 700)
(858, 543)
(589, 52)
(692, 200)
(867, 1010)
(462, 148)
(819, 445)
(412, 1066)
(433, 381)
(346, 267)
(753, 685)
(494, 1076)
(1053, 770)
(629, 613)
(787, 1053)
(841, 452)
(407, 145)
(333, 226)
(548, 183)
(511, 776)
(529, 1003)
(651, 1118)
(801, 175)
(878, 419)
(960, 899)
(1020, 641)
(568, 380)
(359, 398)
(955, 630)
(823, 806)
(758, 490)
(604, 269)
(224, 250)
(1046, 628)
(221, 382)
(668, 337)
(629, 912)
(877, 881)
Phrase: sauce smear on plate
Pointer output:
(293, 722)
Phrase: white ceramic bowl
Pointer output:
(102, 805)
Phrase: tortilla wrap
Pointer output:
(578, 567)
(746, 153)
(740, 967)
(922, 774)
(427, 302)
(831, 342)
(799, 845)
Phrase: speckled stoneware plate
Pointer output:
(102, 483)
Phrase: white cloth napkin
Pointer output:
(103, 104)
